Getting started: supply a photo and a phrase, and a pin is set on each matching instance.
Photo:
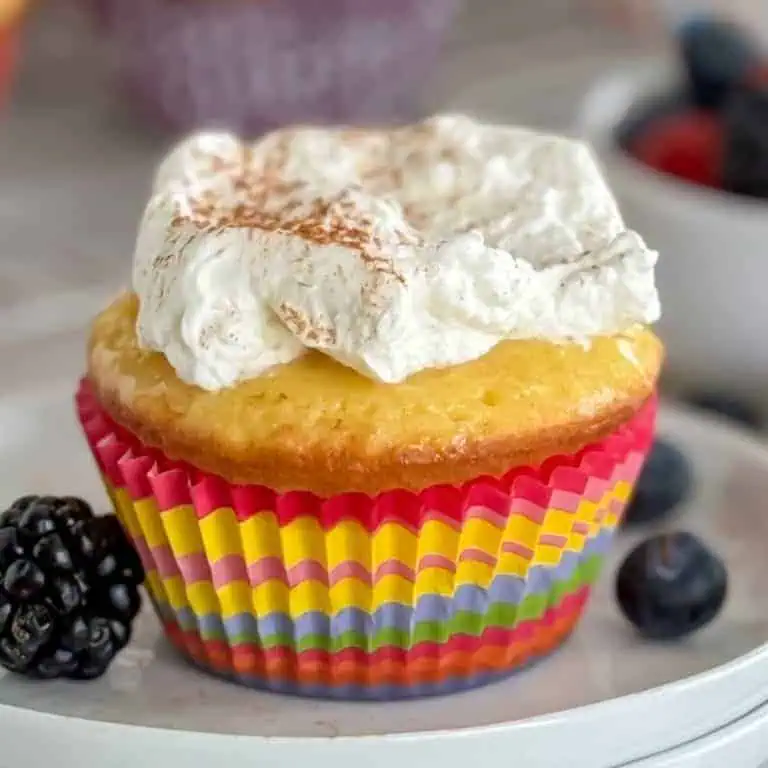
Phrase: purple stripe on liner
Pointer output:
(265, 569)
(352, 620)
(436, 561)
(350, 569)
(474, 555)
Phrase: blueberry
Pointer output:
(664, 482)
(717, 56)
(726, 405)
(670, 586)
(745, 169)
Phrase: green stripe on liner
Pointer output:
(500, 615)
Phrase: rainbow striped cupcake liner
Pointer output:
(399, 595)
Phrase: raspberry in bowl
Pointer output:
(684, 144)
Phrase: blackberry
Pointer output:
(69, 588)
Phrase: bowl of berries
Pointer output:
(685, 144)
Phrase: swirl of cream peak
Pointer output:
(390, 251)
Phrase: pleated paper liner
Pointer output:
(252, 65)
(403, 594)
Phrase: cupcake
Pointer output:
(11, 15)
(376, 401)
(255, 65)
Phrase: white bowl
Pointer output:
(713, 270)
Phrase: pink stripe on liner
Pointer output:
(433, 514)
(486, 514)
(266, 569)
(553, 540)
(616, 506)
(228, 570)
(145, 554)
(307, 570)
(565, 500)
(632, 466)
(513, 548)
(436, 561)
(525, 508)
(596, 489)
(350, 569)
(475, 555)
(394, 568)
(581, 528)
(165, 562)
(194, 568)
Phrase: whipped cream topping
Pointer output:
(390, 251)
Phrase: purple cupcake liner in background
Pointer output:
(253, 65)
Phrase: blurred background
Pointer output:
(97, 90)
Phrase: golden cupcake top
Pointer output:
(317, 424)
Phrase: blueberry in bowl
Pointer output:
(69, 588)
(671, 585)
(717, 56)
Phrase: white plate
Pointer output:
(606, 699)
